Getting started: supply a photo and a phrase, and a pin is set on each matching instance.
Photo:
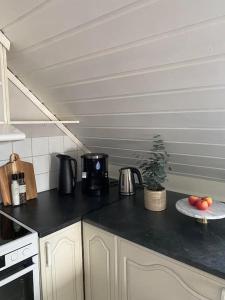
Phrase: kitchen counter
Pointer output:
(167, 232)
(51, 211)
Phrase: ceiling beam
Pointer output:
(4, 41)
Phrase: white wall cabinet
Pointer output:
(99, 264)
(138, 273)
(61, 264)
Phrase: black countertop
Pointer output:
(168, 232)
(51, 211)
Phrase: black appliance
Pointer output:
(95, 179)
(67, 174)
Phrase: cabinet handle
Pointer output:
(223, 294)
(48, 254)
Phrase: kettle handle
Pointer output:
(138, 173)
(75, 172)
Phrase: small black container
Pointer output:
(67, 174)
(95, 181)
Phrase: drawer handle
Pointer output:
(48, 254)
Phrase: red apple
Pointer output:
(202, 204)
(209, 200)
(193, 199)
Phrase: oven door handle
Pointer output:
(17, 275)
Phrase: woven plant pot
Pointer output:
(155, 200)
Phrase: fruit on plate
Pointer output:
(193, 200)
(202, 204)
(208, 199)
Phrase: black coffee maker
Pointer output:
(95, 181)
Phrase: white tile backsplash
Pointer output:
(40, 146)
(5, 150)
(43, 182)
(56, 144)
(41, 164)
(54, 163)
(53, 183)
(69, 145)
(41, 152)
(23, 148)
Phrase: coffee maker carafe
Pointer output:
(67, 174)
(95, 180)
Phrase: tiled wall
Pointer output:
(42, 153)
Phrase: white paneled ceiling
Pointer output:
(1, 106)
(128, 70)
(1, 98)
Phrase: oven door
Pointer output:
(20, 282)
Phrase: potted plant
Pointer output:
(154, 173)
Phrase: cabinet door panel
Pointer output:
(155, 282)
(144, 275)
(64, 269)
(61, 265)
(99, 264)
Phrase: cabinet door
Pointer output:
(146, 275)
(61, 264)
(99, 264)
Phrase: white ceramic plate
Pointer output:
(215, 211)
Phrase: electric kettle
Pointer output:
(67, 174)
(127, 181)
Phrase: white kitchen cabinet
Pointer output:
(99, 264)
(147, 275)
(61, 264)
(138, 273)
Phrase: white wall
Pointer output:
(128, 70)
(41, 152)
(186, 184)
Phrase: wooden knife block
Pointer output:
(17, 166)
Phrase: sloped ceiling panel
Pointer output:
(1, 99)
(28, 112)
(22, 109)
(1, 106)
(129, 70)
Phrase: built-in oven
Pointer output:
(19, 266)
(20, 282)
